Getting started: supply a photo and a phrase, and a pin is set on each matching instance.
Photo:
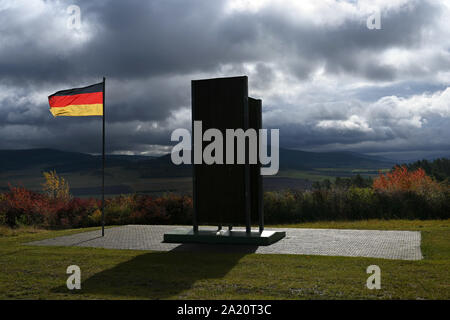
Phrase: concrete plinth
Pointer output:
(184, 235)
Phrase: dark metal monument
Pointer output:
(226, 195)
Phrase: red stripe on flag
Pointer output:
(83, 98)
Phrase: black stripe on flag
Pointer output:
(89, 89)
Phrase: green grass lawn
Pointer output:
(31, 272)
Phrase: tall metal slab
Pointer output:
(256, 187)
(221, 191)
(226, 194)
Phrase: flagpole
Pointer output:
(103, 163)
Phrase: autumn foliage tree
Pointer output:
(54, 186)
(400, 179)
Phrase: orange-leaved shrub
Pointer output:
(24, 205)
(400, 179)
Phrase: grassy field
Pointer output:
(29, 272)
(32, 179)
(300, 174)
(320, 174)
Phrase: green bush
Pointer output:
(354, 203)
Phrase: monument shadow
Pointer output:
(161, 275)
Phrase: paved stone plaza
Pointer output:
(404, 245)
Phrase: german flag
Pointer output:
(87, 101)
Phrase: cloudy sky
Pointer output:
(326, 80)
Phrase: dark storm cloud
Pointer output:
(150, 50)
(129, 40)
(132, 39)
(347, 48)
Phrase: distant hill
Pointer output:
(155, 175)
(61, 161)
(65, 161)
(303, 160)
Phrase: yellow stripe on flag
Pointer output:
(78, 110)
